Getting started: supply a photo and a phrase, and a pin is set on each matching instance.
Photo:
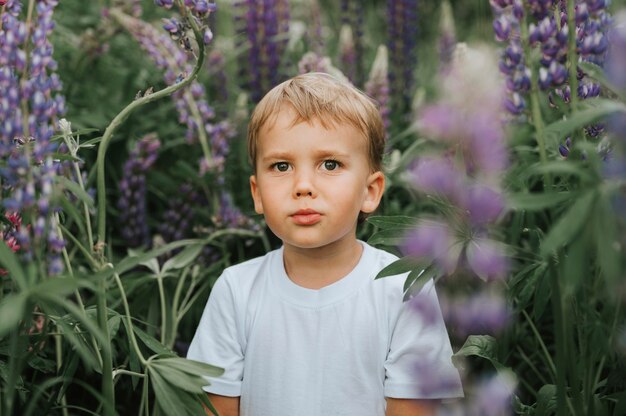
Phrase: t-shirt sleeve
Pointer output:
(217, 341)
(419, 361)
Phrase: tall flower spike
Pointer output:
(352, 17)
(377, 85)
(402, 27)
(132, 201)
(265, 24)
(30, 104)
(347, 53)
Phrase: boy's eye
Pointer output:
(331, 164)
(281, 166)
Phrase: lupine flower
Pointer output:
(200, 11)
(265, 23)
(30, 105)
(402, 28)
(347, 53)
(177, 219)
(229, 216)
(484, 312)
(132, 201)
(352, 18)
(220, 135)
(433, 240)
(494, 396)
(377, 85)
(447, 36)
(550, 37)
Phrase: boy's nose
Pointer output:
(303, 186)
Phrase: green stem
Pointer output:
(108, 393)
(59, 358)
(537, 119)
(121, 117)
(79, 299)
(572, 56)
(163, 308)
(121, 371)
(129, 322)
(544, 349)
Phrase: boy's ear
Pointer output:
(256, 195)
(374, 192)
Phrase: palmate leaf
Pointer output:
(403, 265)
(173, 400)
(389, 237)
(416, 280)
(132, 261)
(546, 400)
(393, 222)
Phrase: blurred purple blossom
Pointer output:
(377, 85)
(132, 203)
(616, 61)
(347, 53)
(433, 240)
(431, 380)
(487, 258)
(493, 396)
(483, 204)
(447, 36)
(437, 175)
(483, 312)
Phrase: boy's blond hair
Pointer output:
(320, 97)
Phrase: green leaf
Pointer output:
(561, 167)
(75, 189)
(569, 225)
(543, 292)
(403, 265)
(188, 382)
(483, 346)
(59, 286)
(12, 310)
(393, 222)
(9, 262)
(132, 261)
(533, 202)
(593, 110)
(182, 259)
(173, 401)
(151, 342)
(389, 237)
(575, 264)
(193, 366)
(546, 400)
(416, 280)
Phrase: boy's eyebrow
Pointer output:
(317, 154)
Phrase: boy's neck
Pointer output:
(315, 268)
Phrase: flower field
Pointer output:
(125, 188)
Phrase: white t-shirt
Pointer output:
(339, 350)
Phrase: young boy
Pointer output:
(306, 330)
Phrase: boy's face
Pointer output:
(311, 183)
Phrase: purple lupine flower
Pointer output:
(616, 63)
(352, 20)
(430, 380)
(265, 24)
(434, 240)
(229, 216)
(132, 200)
(377, 85)
(467, 173)
(484, 312)
(493, 396)
(437, 176)
(30, 104)
(402, 27)
(550, 37)
(447, 36)
(487, 258)
(347, 53)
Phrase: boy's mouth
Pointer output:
(306, 217)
